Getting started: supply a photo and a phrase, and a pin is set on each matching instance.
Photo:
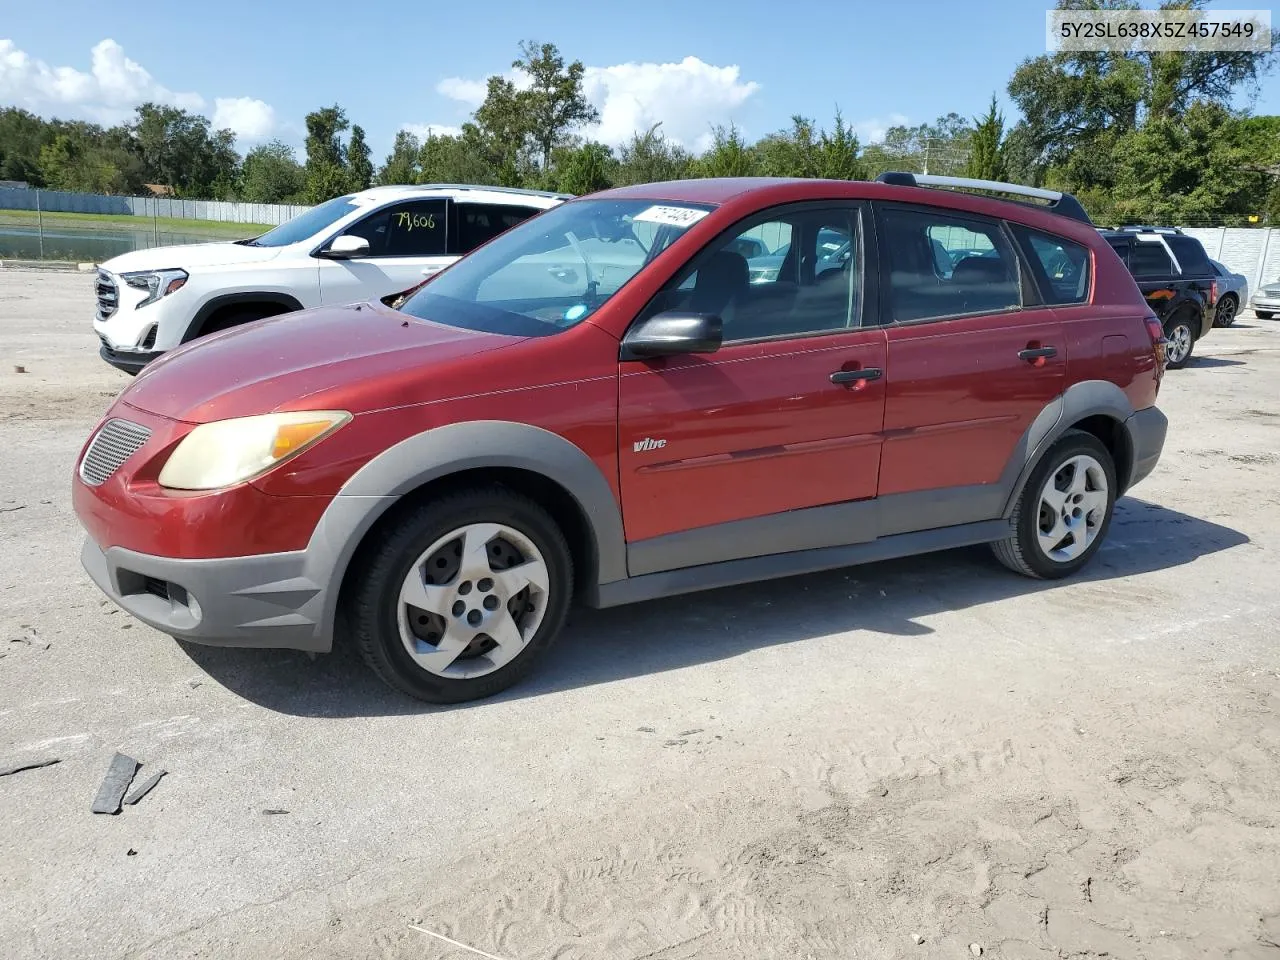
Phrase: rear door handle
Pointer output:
(852, 376)
(1032, 354)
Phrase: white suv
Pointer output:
(362, 246)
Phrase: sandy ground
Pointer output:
(832, 766)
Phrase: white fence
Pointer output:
(57, 201)
(1251, 251)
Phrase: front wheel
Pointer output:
(1064, 512)
(457, 598)
(1182, 338)
(1263, 314)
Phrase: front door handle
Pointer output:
(852, 376)
(1036, 356)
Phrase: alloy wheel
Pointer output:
(1073, 507)
(1179, 347)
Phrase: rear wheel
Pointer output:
(1064, 512)
(1179, 330)
(459, 597)
(1228, 309)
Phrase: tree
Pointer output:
(729, 155)
(502, 130)
(652, 158)
(401, 165)
(938, 147)
(359, 163)
(584, 169)
(76, 160)
(272, 174)
(789, 153)
(838, 153)
(460, 159)
(178, 149)
(986, 156)
(22, 136)
(554, 104)
(326, 167)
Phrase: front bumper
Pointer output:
(1147, 430)
(1266, 304)
(254, 601)
(130, 361)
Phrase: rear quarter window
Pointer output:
(1061, 266)
(1191, 257)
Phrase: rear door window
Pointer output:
(1148, 260)
(940, 264)
(1191, 257)
(478, 223)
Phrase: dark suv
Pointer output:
(608, 404)
(1176, 277)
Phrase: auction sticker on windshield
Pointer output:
(671, 216)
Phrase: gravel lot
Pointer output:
(832, 766)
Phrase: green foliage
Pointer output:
(729, 156)
(939, 147)
(401, 165)
(271, 174)
(584, 169)
(327, 175)
(22, 136)
(359, 162)
(449, 159)
(652, 158)
(986, 146)
(179, 150)
(554, 105)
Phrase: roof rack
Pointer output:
(479, 186)
(1134, 228)
(1061, 203)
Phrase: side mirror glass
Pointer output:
(346, 247)
(673, 332)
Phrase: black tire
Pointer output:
(1021, 552)
(1227, 311)
(370, 614)
(1263, 314)
(1172, 326)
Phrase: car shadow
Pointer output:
(1195, 361)
(600, 646)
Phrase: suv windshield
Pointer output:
(555, 270)
(306, 224)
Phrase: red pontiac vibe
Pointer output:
(644, 392)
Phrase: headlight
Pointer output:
(227, 452)
(157, 283)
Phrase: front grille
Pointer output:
(108, 294)
(115, 443)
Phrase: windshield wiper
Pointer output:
(250, 242)
(593, 284)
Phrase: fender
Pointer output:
(439, 452)
(231, 299)
(1087, 398)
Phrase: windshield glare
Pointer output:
(307, 224)
(555, 270)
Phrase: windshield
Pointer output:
(306, 224)
(555, 270)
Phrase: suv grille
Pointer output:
(107, 293)
(115, 443)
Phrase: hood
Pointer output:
(1271, 289)
(357, 358)
(186, 256)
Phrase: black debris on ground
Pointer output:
(29, 765)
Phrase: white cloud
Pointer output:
(424, 130)
(110, 90)
(470, 92)
(686, 97)
(873, 130)
(250, 119)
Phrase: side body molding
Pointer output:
(450, 449)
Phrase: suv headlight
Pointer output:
(157, 283)
(226, 452)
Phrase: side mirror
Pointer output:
(673, 332)
(346, 247)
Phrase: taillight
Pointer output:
(1213, 292)
(1156, 332)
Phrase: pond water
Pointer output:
(87, 246)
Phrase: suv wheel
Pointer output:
(1064, 512)
(1263, 314)
(459, 598)
(1180, 333)
(1226, 313)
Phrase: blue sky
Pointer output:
(260, 66)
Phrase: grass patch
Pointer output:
(112, 221)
